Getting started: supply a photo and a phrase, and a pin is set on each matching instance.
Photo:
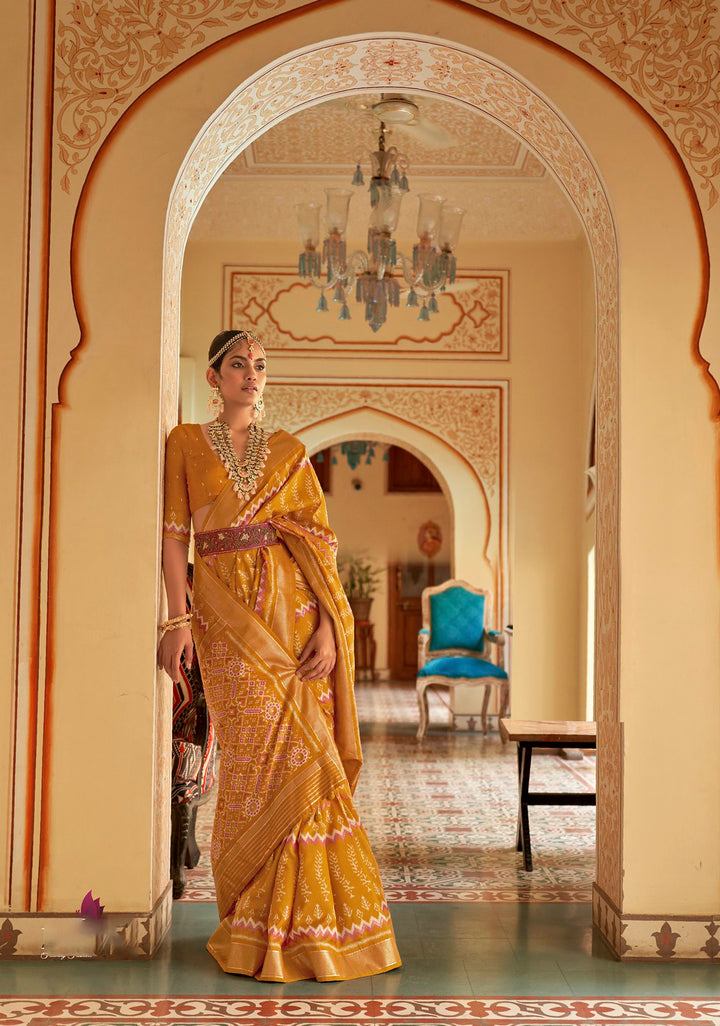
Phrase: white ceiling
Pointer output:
(507, 193)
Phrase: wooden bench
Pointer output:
(530, 734)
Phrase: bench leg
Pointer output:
(524, 758)
(518, 832)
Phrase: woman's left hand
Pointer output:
(318, 657)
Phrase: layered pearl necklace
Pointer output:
(243, 473)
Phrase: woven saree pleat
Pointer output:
(298, 889)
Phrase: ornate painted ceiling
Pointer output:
(469, 159)
(449, 140)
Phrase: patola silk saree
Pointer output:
(298, 889)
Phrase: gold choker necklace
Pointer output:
(243, 473)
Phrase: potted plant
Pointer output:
(360, 579)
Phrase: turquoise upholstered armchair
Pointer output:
(454, 647)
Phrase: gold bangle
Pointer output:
(171, 625)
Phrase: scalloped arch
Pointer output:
(472, 517)
(383, 61)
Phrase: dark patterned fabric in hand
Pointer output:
(186, 763)
(191, 729)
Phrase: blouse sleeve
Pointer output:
(176, 521)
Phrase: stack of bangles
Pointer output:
(175, 623)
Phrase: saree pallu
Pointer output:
(298, 889)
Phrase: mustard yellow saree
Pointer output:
(298, 889)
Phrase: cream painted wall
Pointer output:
(382, 526)
(547, 442)
(669, 560)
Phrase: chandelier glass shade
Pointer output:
(378, 275)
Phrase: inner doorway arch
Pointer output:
(470, 517)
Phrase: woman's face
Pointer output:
(242, 377)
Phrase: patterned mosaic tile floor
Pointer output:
(355, 1011)
(482, 942)
(441, 814)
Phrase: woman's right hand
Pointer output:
(174, 644)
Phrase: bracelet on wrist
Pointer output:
(175, 623)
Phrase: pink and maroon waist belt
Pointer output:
(235, 539)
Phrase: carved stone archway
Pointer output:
(383, 61)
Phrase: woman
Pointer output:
(298, 889)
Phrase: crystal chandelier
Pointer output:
(378, 276)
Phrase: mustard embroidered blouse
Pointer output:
(194, 476)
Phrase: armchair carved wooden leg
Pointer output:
(423, 708)
(504, 706)
(483, 715)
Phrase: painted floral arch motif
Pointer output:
(665, 54)
(386, 62)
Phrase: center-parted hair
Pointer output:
(224, 341)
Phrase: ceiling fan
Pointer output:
(400, 113)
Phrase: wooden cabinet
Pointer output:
(405, 585)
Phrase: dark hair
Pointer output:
(222, 339)
(216, 345)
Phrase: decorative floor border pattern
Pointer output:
(215, 1011)
(523, 895)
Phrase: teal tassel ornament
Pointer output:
(345, 313)
(424, 314)
(358, 176)
(412, 299)
(309, 264)
(433, 304)
(322, 304)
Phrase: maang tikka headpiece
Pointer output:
(252, 341)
